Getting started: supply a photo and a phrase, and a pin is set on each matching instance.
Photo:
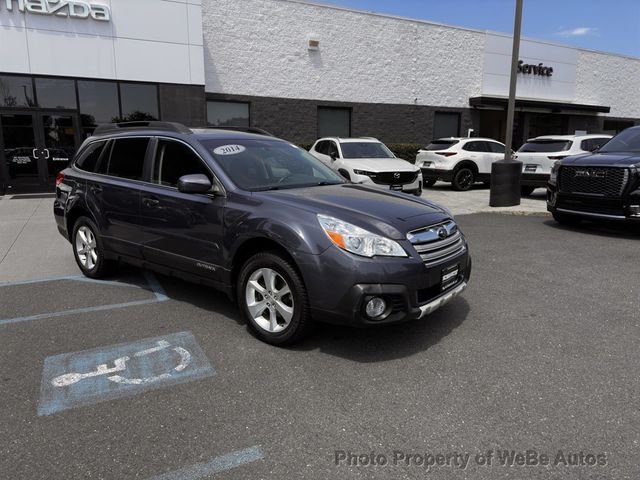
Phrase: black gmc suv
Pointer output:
(262, 220)
(600, 185)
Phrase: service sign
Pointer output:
(60, 8)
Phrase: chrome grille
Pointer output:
(437, 243)
(602, 181)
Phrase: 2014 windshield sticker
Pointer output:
(229, 149)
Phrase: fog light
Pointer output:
(375, 307)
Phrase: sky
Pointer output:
(609, 26)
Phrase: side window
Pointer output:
(333, 149)
(471, 147)
(495, 147)
(173, 160)
(321, 147)
(127, 158)
(90, 157)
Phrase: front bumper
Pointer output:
(625, 208)
(410, 288)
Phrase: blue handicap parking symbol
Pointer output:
(81, 378)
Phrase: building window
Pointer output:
(613, 127)
(228, 114)
(98, 104)
(139, 101)
(334, 122)
(446, 124)
(16, 92)
(56, 93)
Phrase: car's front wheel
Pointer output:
(430, 182)
(88, 250)
(273, 299)
(526, 190)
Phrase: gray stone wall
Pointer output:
(296, 120)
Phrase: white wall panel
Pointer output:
(143, 59)
(146, 40)
(14, 54)
(70, 54)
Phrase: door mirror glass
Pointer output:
(197, 183)
(333, 155)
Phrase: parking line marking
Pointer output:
(216, 465)
(152, 281)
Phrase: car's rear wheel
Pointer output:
(88, 250)
(463, 179)
(526, 190)
(564, 219)
(273, 299)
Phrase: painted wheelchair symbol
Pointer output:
(120, 365)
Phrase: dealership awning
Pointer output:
(556, 107)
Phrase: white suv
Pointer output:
(368, 161)
(539, 154)
(461, 161)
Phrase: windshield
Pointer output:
(365, 150)
(440, 144)
(546, 146)
(269, 164)
(626, 141)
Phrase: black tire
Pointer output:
(100, 266)
(418, 192)
(564, 219)
(487, 183)
(300, 323)
(430, 182)
(463, 179)
(526, 190)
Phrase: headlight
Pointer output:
(364, 172)
(357, 240)
(553, 178)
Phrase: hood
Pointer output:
(380, 164)
(383, 212)
(604, 159)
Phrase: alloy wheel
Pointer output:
(86, 247)
(269, 300)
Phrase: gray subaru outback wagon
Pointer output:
(259, 218)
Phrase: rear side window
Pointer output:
(127, 158)
(475, 147)
(546, 146)
(495, 147)
(173, 160)
(89, 159)
(441, 144)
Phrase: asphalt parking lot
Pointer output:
(540, 354)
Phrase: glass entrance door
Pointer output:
(36, 146)
(60, 137)
(21, 153)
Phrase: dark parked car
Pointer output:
(600, 185)
(262, 220)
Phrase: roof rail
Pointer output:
(138, 125)
(256, 130)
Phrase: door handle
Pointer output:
(150, 202)
(35, 153)
(46, 153)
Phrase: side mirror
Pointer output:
(197, 183)
(595, 149)
(333, 156)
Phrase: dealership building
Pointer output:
(298, 69)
